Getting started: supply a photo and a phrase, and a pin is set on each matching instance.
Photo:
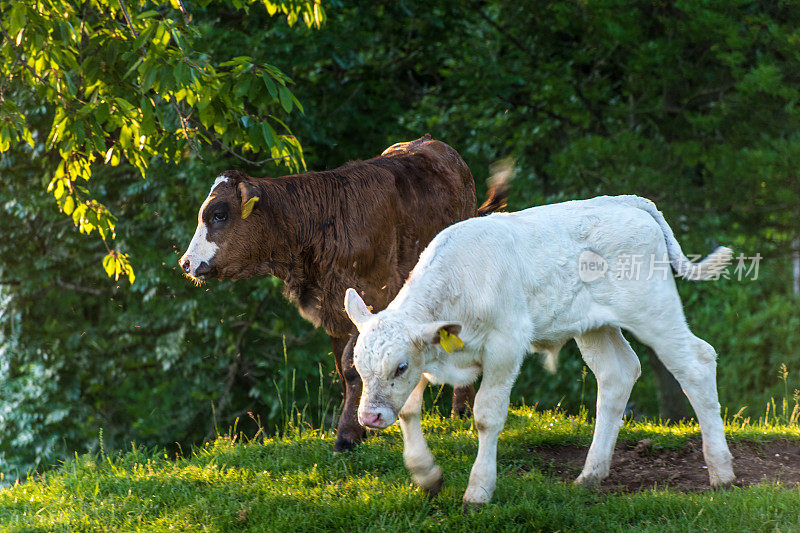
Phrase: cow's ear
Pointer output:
(444, 334)
(250, 198)
(356, 309)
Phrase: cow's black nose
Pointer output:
(186, 266)
(202, 269)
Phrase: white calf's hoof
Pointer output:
(434, 490)
(469, 507)
(476, 497)
(430, 482)
(588, 480)
(721, 479)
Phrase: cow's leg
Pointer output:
(693, 362)
(349, 432)
(463, 399)
(418, 458)
(616, 367)
(339, 344)
(491, 408)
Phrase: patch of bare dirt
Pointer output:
(640, 466)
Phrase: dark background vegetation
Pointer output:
(694, 105)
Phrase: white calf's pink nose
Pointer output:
(374, 420)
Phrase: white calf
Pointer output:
(537, 278)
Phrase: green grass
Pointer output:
(296, 484)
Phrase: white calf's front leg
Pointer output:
(418, 458)
(491, 408)
(616, 367)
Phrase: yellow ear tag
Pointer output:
(450, 343)
(247, 208)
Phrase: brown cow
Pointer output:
(361, 225)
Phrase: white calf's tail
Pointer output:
(708, 268)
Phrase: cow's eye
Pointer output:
(219, 216)
(402, 367)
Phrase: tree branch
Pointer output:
(242, 158)
(184, 121)
(128, 19)
(502, 31)
(186, 16)
(80, 288)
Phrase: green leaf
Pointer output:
(5, 138)
(298, 104)
(236, 61)
(124, 105)
(269, 134)
(145, 36)
(241, 88)
(286, 99)
(148, 118)
(148, 78)
(125, 137)
(271, 88)
(102, 112)
(182, 74)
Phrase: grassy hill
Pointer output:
(296, 484)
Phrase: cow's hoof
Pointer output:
(344, 444)
(463, 413)
(432, 490)
(470, 507)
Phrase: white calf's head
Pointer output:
(389, 357)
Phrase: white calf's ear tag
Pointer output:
(445, 334)
(355, 308)
(248, 206)
(450, 342)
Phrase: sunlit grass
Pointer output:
(295, 483)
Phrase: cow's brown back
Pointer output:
(365, 224)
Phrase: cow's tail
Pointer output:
(499, 183)
(708, 268)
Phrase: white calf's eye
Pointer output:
(402, 367)
(220, 216)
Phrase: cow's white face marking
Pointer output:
(201, 249)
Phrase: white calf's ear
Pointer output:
(356, 309)
(444, 334)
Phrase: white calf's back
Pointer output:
(519, 272)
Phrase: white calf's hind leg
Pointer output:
(616, 367)
(418, 457)
(693, 362)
